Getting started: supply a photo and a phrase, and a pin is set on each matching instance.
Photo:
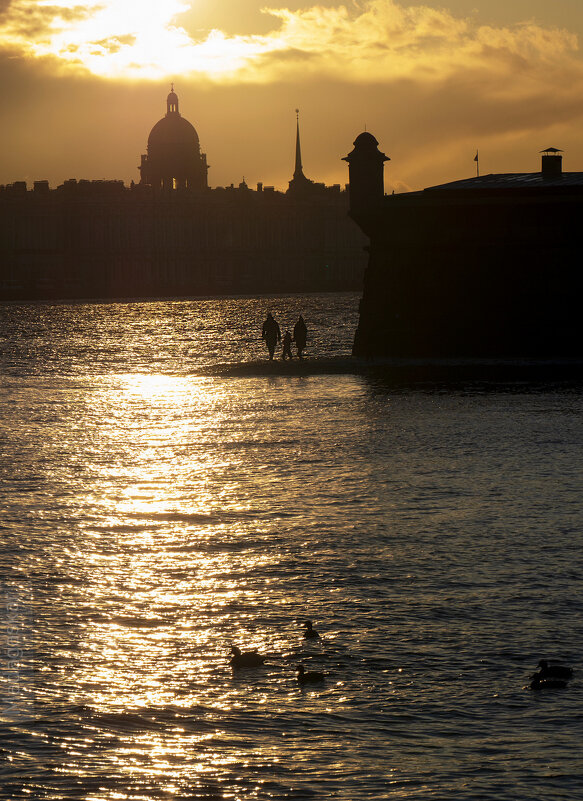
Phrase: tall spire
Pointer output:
(299, 184)
(298, 171)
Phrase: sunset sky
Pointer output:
(84, 82)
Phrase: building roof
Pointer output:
(173, 130)
(512, 180)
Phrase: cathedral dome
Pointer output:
(174, 159)
(173, 130)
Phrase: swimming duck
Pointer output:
(248, 659)
(309, 632)
(554, 671)
(540, 683)
(309, 677)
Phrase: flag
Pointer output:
(476, 156)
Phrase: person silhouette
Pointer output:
(271, 333)
(287, 340)
(300, 335)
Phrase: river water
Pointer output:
(167, 493)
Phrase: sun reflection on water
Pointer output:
(165, 427)
(154, 571)
(160, 387)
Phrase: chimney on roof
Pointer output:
(552, 163)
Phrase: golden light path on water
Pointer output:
(174, 413)
(169, 485)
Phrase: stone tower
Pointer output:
(365, 170)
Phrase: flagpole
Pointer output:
(477, 160)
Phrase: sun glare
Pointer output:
(131, 40)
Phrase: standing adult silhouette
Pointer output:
(271, 333)
(300, 335)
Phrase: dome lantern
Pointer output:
(172, 102)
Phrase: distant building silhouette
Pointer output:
(174, 159)
(172, 235)
(484, 267)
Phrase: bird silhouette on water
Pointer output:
(246, 659)
(554, 671)
(309, 676)
(550, 677)
(310, 632)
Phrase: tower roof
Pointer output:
(365, 139)
(365, 149)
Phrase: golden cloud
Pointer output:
(371, 41)
(385, 41)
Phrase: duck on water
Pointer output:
(550, 677)
(246, 659)
(554, 671)
(309, 676)
(309, 632)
